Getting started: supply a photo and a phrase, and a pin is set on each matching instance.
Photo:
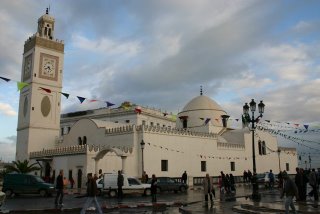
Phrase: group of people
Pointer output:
(298, 187)
(226, 183)
(247, 176)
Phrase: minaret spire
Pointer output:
(200, 89)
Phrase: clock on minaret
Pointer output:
(39, 110)
(48, 66)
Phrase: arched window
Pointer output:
(45, 31)
(264, 152)
(84, 140)
(185, 123)
(260, 147)
(79, 141)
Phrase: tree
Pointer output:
(21, 167)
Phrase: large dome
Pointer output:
(202, 103)
(200, 109)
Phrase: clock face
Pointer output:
(48, 66)
(27, 67)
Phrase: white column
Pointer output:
(123, 158)
(96, 161)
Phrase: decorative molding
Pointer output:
(35, 40)
(60, 151)
(230, 146)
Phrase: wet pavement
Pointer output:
(190, 202)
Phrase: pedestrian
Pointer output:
(59, 188)
(227, 184)
(249, 176)
(100, 173)
(232, 183)
(208, 188)
(71, 180)
(245, 176)
(313, 182)
(184, 177)
(298, 180)
(280, 185)
(290, 190)
(145, 177)
(220, 185)
(305, 180)
(154, 188)
(271, 179)
(120, 184)
(95, 177)
(91, 195)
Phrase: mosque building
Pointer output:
(130, 138)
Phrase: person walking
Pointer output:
(298, 180)
(71, 182)
(245, 176)
(290, 190)
(120, 184)
(154, 188)
(184, 177)
(313, 182)
(271, 179)
(232, 183)
(91, 195)
(59, 188)
(208, 188)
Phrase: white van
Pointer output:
(131, 185)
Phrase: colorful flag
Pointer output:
(65, 94)
(109, 104)
(5, 79)
(81, 99)
(21, 85)
(46, 89)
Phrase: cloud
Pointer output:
(8, 149)
(7, 109)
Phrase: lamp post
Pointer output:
(142, 148)
(310, 161)
(253, 121)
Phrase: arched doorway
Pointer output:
(118, 153)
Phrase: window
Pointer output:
(84, 140)
(164, 165)
(151, 123)
(132, 181)
(61, 132)
(70, 174)
(158, 124)
(69, 128)
(203, 166)
(79, 141)
(233, 166)
(127, 121)
(287, 167)
(115, 121)
(260, 147)
(264, 152)
(143, 122)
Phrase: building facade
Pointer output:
(135, 138)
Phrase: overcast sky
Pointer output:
(158, 53)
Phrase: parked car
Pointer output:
(131, 185)
(263, 179)
(169, 184)
(16, 183)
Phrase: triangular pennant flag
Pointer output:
(81, 99)
(306, 126)
(237, 120)
(297, 125)
(207, 121)
(137, 110)
(65, 94)
(109, 104)
(21, 85)
(5, 79)
(267, 121)
(201, 118)
(46, 90)
(91, 101)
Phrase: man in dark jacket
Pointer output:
(59, 188)
(290, 190)
(91, 194)
(120, 184)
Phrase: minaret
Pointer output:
(39, 104)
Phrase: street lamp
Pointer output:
(253, 120)
(142, 147)
(310, 161)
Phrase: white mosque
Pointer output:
(130, 138)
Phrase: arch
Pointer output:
(103, 152)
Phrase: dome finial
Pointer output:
(200, 89)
